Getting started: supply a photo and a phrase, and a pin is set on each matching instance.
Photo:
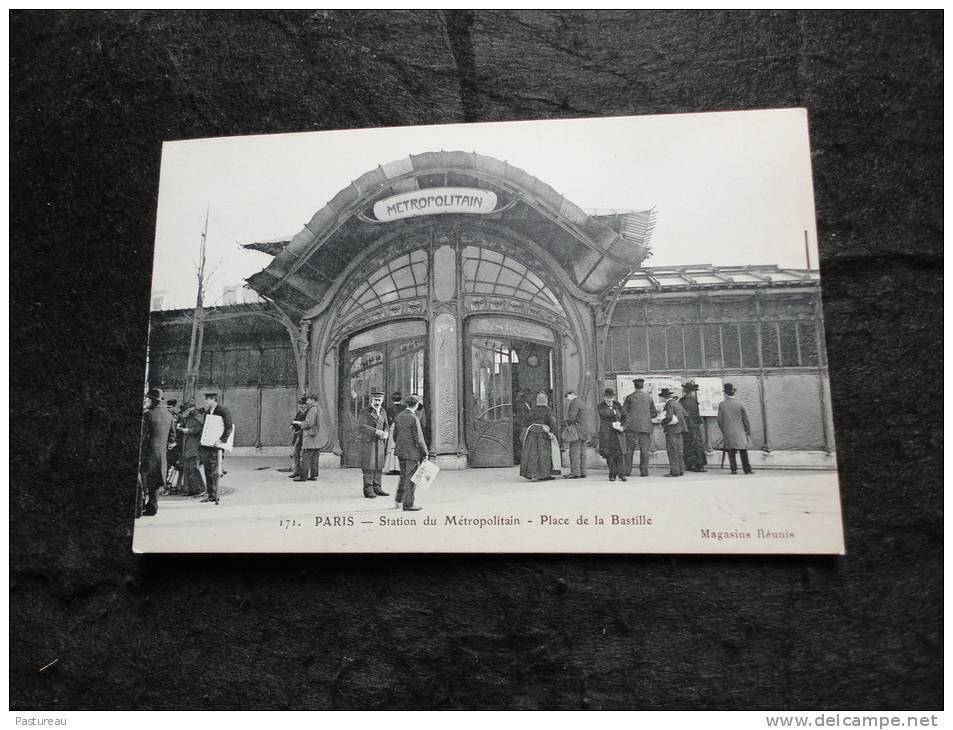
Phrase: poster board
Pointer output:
(710, 394)
(653, 386)
(212, 432)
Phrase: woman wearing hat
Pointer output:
(536, 456)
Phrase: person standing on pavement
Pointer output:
(310, 448)
(673, 423)
(153, 449)
(575, 436)
(411, 449)
(191, 423)
(735, 429)
(300, 413)
(371, 439)
(211, 456)
(639, 409)
(611, 436)
(694, 440)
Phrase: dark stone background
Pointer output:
(93, 94)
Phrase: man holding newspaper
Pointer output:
(214, 439)
(411, 450)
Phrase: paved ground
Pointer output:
(262, 510)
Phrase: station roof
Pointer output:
(707, 276)
(595, 252)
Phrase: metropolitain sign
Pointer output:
(434, 201)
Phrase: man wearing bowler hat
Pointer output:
(735, 429)
(674, 425)
(153, 449)
(211, 456)
(373, 426)
(694, 440)
(639, 411)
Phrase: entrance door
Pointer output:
(504, 376)
(394, 366)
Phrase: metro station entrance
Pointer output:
(503, 376)
(394, 358)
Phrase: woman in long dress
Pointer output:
(536, 458)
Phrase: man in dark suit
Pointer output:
(411, 449)
(153, 449)
(611, 439)
(735, 429)
(639, 411)
(190, 426)
(211, 456)
(674, 424)
(693, 439)
(300, 414)
(371, 444)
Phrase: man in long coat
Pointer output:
(153, 448)
(372, 426)
(694, 441)
(192, 421)
(612, 441)
(300, 413)
(310, 446)
(210, 456)
(639, 411)
(735, 429)
(575, 436)
(673, 423)
(411, 449)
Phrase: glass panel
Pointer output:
(638, 360)
(693, 351)
(487, 271)
(749, 345)
(789, 358)
(618, 349)
(492, 380)
(673, 346)
(469, 269)
(367, 371)
(713, 356)
(771, 356)
(510, 278)
(808, 336)
(402, 278)
(731, 345)
(657, 348)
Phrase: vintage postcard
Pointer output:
(577, 336)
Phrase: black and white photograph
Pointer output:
(589, 335)
(476, 360)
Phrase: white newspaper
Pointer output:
(212, 433)
(425, 475)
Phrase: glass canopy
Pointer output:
(491, 273)
(403, 278)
